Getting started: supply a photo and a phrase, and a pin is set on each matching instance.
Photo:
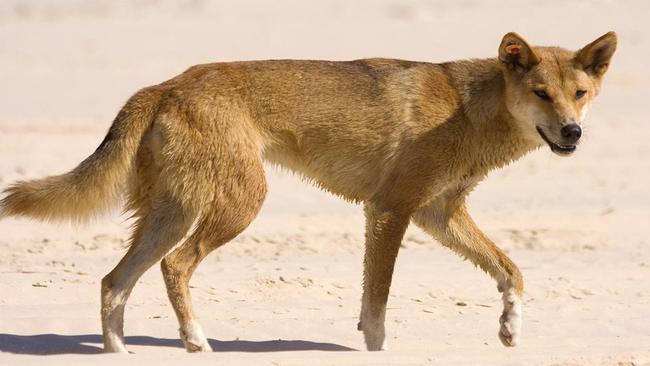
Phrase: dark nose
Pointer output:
(571, 133)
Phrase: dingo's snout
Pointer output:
(571, 133)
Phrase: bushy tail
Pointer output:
(95, 185)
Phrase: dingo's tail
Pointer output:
(95, 185)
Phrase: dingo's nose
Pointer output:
(571, 133)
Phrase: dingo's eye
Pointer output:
(580, 93)
(542, 95)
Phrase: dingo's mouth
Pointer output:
(557, 148)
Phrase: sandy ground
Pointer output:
(286, 292)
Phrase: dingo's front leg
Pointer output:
(448, 221)
(384, 232)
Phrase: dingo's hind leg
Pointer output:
(156, 231)
(239, 198)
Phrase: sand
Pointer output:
(286, 291)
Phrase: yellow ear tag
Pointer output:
(513, 49)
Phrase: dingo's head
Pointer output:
(549, 89)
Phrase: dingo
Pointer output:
(407, 139)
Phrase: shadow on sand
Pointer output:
(56, 344)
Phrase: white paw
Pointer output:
(114, 344)
(374, 334)
(510, 320)
(193, 338)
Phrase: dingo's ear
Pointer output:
(516, 53)
(594, 57)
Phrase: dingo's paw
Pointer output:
(193, 338)
(114, 344)
(510, 320)
(374, 335)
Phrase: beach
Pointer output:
(287, 290)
